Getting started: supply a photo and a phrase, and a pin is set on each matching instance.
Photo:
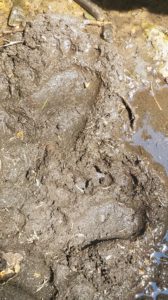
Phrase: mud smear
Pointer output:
(79, 208)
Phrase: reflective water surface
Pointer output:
(151, 131)
(150, 141)
(160, 256)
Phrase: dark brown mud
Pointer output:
(79, 212)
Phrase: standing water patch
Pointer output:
(150, 140)
(151, 134)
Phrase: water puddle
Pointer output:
(154, 142)
(150, 140)
(152, 291)
(160, 256)
(151, 134)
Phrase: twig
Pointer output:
(11, 44)
(154, 97)
(129, 109)
(96, 23)
(44, 104)
(11, 31)
(41, 286)
(91, 8)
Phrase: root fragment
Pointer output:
(91, 8)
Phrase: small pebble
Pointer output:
(107, 33)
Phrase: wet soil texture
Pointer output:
(81, 209)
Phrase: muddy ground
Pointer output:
(81, 211)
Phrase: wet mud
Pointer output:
(81, 211)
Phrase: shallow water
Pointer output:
(154, 142)
(160, 256)
(150, 140)
(152, 291)
(151, 130)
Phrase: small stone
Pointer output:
(107, 33)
